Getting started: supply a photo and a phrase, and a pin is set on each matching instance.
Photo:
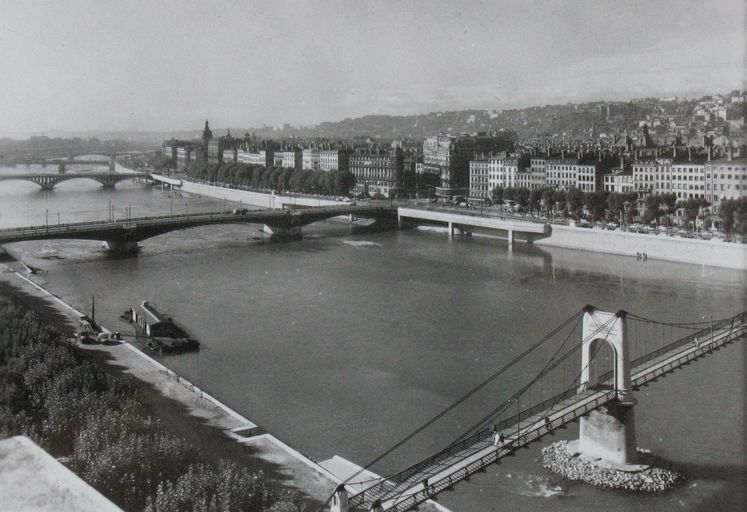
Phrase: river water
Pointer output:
(345, 342)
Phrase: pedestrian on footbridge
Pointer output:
(498, 438)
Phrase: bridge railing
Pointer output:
(392, 482)
(474, 213)
(409, 478)
(389, 488)
(702, 335)
(222, 215)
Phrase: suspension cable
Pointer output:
(609, 324)
(460, 400)
(504, 405)
(522, 390)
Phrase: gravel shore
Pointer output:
(563, 459)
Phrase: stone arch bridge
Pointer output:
(47, 181)
(122, 236)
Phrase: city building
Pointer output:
(503, 171)
(215, 150)
(538, 172)
(292, 158)
(263, 157)
(229, 155)
(725, 178)
(562, 173)
(448, 156)
(649, 175)
(378, 171)
(587, 177)
(688, 180)
(478, 179)
(180, 152)
(310, 159)
(331, 159)
(618, 180)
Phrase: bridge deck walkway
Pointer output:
(443, 470)
(461, 219)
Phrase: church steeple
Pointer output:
(206, 133)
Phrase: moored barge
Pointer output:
(163, 335)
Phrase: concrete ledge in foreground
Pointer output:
(31, 479)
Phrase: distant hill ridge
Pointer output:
(571, 119)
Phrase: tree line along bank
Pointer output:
(103, 427)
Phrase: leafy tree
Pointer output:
(521, 196)
(125, 454)
(653, 208)
(162, 163)
(535, 198)
(575, 201)
(692, 208)
(548, 197)
(615, 205)
(596, 202)
(497, 195)
(204, 488)
(560, 198)
(727, 210)
(344, 182)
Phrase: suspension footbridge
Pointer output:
(595, 360)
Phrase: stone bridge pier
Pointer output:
(609, 432)
(283, 232)
(123, 243)
(122, 247)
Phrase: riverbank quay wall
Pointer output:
(682, 250)
(248, 197)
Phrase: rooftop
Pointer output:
(725, 160)
(32, 480)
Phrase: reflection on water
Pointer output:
(343, 343)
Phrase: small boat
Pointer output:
(163, 334)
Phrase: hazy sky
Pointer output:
(157, 65)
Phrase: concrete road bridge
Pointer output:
(47, 181)
(595, 361)
(467, 223)
(122, 236)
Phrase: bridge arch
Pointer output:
(601, 327)
(26, 179)
(49, 181)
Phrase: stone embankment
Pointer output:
(684, 250)
(563, 459)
